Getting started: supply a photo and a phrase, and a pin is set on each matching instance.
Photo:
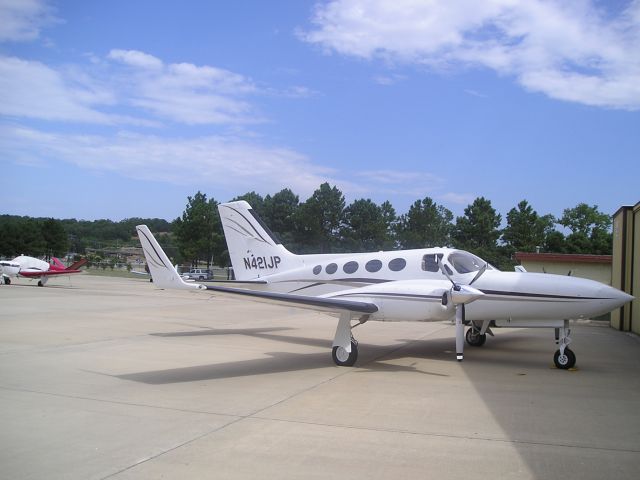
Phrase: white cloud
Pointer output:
(132, 81)
(457, 198)
(220, 162)
(136, 59)
(31, 89)
(390, 79)
(571, 51)
(21, 20)
(413, 184)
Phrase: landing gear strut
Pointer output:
(564, 358)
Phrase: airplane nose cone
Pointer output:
(617, 297)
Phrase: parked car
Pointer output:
(199, 274)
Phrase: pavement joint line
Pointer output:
(249, 416)
(62, 346)
(175, 447)
(120, 402)
(450, 435)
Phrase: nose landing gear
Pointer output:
(564, 358)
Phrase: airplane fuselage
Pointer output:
(408, 286)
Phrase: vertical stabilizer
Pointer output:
(163, 273)
(253, 248)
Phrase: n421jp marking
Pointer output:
(261, 263)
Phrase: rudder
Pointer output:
(254, 250)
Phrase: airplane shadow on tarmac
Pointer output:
(372, 357)
(538, 409)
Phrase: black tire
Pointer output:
(475, 339)
(40, 284)
(566, 361)
(344, 359)
(7, 281)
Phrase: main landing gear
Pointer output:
(345, 347)
(475, 338)
(342, 357)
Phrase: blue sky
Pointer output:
(122, 109)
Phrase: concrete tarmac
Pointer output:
(110, 378)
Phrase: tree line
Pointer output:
(48, 237)
(324, 223)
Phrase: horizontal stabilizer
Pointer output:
(77, 265)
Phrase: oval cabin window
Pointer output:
(397, 264)
(350, 267)
(373, 266)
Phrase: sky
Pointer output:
(123, 109)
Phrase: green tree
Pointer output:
(426, 224)
(555, 242)
(279, 214)
(391, 222)
(526, 230)
(478, 231)
(364, 227)
(55, 238)
(590, 229)
(199, 231)
(318, 220)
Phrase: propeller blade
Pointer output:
(460, 332)
(446, 274)
(479, 274)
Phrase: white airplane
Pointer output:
(423, 285)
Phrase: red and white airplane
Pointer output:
(422, 285)
(29, 267)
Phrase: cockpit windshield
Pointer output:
(465, 262)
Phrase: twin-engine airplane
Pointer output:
(31, 268)
(424, 285)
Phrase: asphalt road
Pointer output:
(110, 378)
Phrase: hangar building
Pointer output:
(625, 273)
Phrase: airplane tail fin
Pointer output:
(254, 250)
(57, 263)
(77, 265)
(163, 273)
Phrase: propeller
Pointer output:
(460, 295)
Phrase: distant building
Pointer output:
(595, 267)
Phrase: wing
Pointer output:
(32, 273)
(322, 304)
(48, 273)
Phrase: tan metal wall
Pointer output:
(635, 272)
(626, 266)
(595, 271)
